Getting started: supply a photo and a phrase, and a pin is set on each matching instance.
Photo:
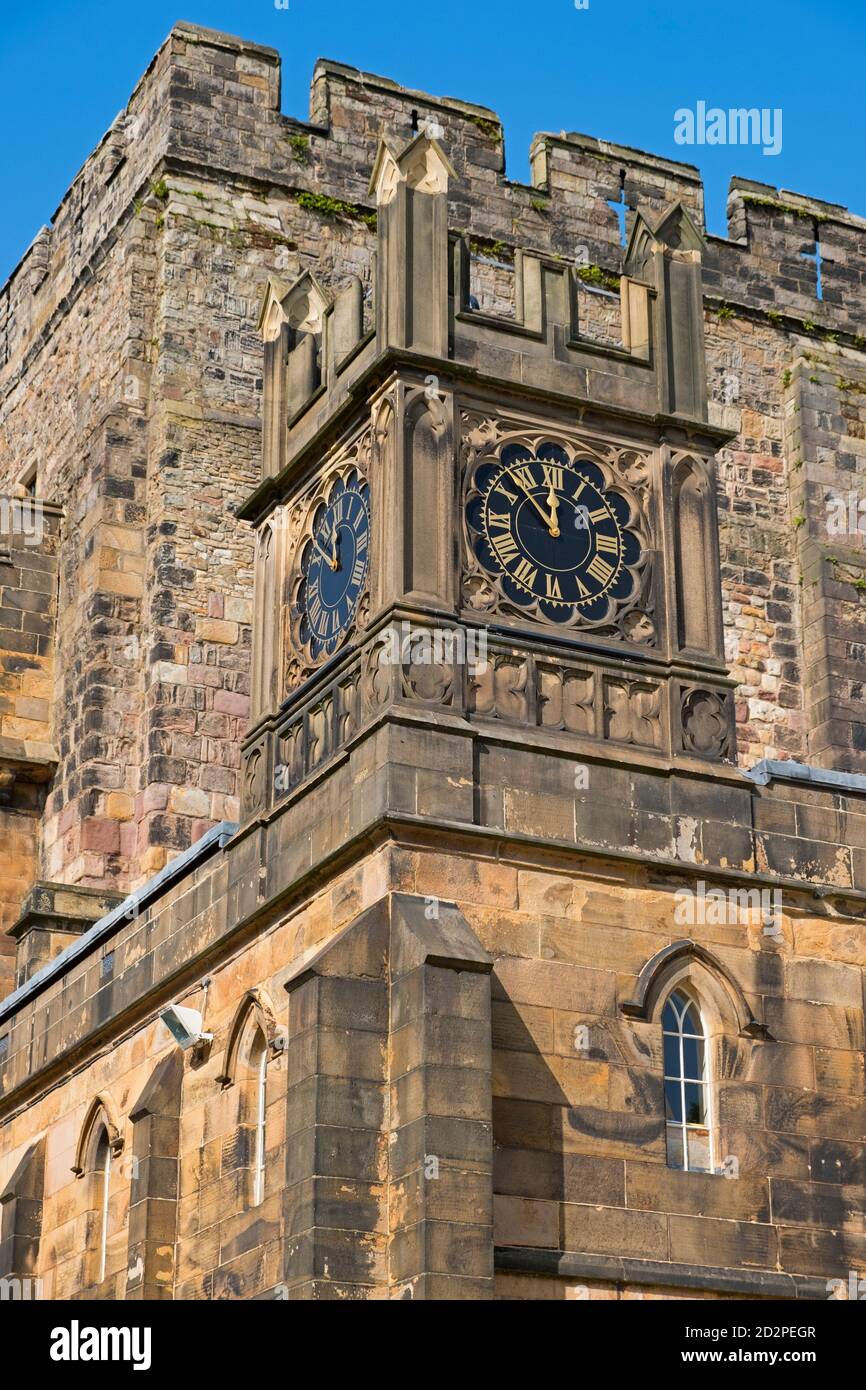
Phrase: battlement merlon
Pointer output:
(318, 358)
(208, 104)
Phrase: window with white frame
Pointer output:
(687, 1085)
(259, 1067)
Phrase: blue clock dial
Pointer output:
(332, 568)
(552, 534)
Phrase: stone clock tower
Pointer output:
(487, 608)
(449, 482)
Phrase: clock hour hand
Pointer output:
(553, 504)
(324, 554)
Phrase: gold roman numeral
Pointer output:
(524, 475)
(600, 570)
(512, 496)
(525, 573)
(553, 589)
(499, 519)
(607, 543)
(599, 514)
(553, 476)
(506, 547)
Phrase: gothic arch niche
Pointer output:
(265, 618)
(104, 1194)
(701, 1015)
(256, 1010)
(100, 1112)
(696, 567)
(385, 494)
(254, 1040)
(721, 995)
(427, 569)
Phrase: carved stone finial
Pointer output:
(423, 165)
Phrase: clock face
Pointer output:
(332, 567)
(544, 526)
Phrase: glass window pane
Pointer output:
(689, 1140)
(673, 1101)
(695, 1113)
(670, 1022)
(698, 1141)
(675, 1147)
(672, 1055)
(693, 1059)
(692, 1021)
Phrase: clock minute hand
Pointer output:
(549, 522)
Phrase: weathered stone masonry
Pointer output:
(415, 926)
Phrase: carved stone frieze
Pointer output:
(705, 717)
(567, 699)
(632, 712)
(502, 688)
(483, 678)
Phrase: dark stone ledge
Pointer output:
(751, 1283)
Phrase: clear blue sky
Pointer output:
(618, 70)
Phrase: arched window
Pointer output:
(687, 1084)
(254, 1040)
(259, 1070)
(100, 1145)
(102, 1193)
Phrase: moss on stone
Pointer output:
(300, 146)
(485, 246)
(492, 129)
(334, 209)
(601, 279)
(777, 206)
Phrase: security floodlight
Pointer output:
(185, 1026)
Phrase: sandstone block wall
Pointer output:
(580, 1194)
